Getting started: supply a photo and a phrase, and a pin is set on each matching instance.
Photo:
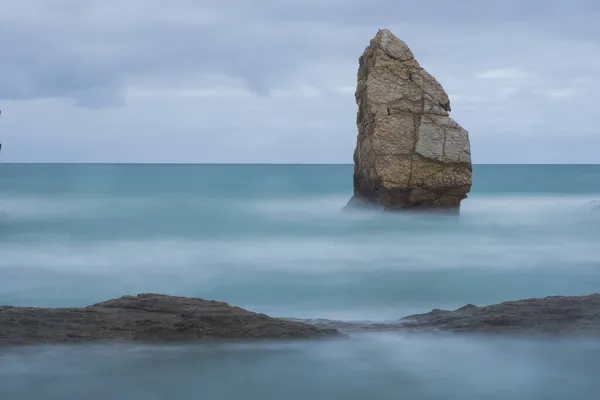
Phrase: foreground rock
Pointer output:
(556, 316)
(147, 318)
(409, 152)
(161, 318)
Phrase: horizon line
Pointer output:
(241, 163)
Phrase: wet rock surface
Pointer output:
(146, 318)
(555, 316)
(161, 318)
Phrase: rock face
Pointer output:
(550, 316)
(409, 152)
(555, 315)
(147, 318)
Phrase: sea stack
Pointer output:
(409, 154)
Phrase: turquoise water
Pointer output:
(271, 238)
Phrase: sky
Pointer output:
(272, 81)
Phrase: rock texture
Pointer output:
(160, 318)
(554, 316)
(409, 152)
(147, 318)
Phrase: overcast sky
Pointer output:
(273, 80)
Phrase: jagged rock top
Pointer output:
(392, 46)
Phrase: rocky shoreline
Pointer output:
(151, 318)
(549, 316)
(155, 318)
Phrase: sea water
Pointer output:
(273, 239)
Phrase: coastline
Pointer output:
(156, 318)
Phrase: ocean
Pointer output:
(273, 239)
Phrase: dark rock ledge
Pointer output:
(156, 318)
(146, 318)
(549, 316)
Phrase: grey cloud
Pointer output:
(94, 54)
(80, 47)
(68, 59)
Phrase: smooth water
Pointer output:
(271, 238)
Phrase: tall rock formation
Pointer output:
(409, 152)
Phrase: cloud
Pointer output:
(505, 73)
(273, 81)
